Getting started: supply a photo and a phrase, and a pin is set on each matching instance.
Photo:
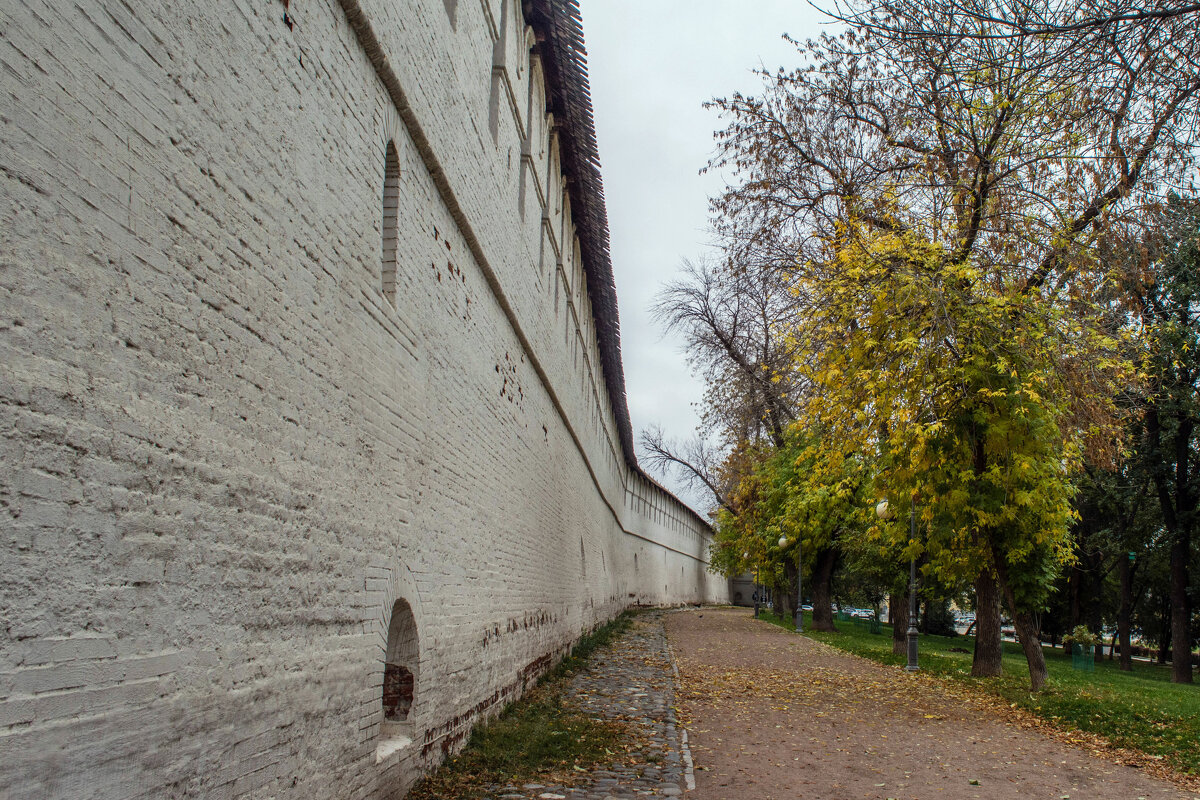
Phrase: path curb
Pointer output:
(689, 773)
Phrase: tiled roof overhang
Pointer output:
(559, 30)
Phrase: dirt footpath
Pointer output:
(776, 716)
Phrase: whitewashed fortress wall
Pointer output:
(275, 414)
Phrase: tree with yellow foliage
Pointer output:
(941, 192)
(808, 492)
(960, 387)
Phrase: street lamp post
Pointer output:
(757, 592)
(912, 592)
(883, 512)
(746, 556)
(798, 618)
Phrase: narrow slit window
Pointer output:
(391, 211)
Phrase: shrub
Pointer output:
(1082, 637)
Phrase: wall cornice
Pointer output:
(559, 30)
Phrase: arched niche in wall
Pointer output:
(400, 668)
(396, 700)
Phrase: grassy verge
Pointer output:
(540, 738)
(1140, 710)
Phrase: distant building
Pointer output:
(741, 589)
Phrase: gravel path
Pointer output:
(630, 680)
(772, 715)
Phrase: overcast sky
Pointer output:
(652, 65)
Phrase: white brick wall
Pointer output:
(226, 454)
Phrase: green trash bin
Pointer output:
(1083, 658)
(875, 626)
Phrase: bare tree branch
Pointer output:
(695, 462)
(1027, 20)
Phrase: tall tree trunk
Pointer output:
(1031, 644)
(1178, 509)
(783, 603)
(822, 589)
(1093, 615)
(1181, 554)
(1074, 612)
(1181, 612)
(989, 585)
(785, 595)
(1164, 644)
(1125, 612)
(989, 650)
(898, 616)
(1027, 631)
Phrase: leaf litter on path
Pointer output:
(769, 708)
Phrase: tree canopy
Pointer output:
(936, 188)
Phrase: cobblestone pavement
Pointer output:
(633, 680)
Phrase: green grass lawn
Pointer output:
(1141, 710)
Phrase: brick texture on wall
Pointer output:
(229, 449)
